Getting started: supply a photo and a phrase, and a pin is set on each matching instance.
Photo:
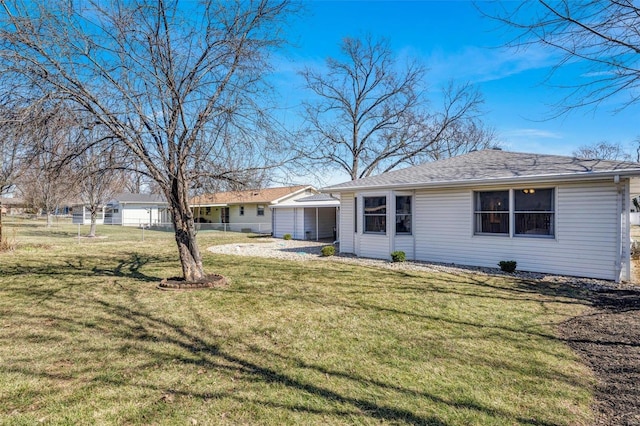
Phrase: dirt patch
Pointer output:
(607, 337)
(178, 283)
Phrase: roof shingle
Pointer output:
(267, 195)
(488, 165)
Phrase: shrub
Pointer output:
(508, 265)
(398, 256)
(287, 236)
(328, 251)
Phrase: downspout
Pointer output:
(618, 263)
(317, 230)
(626, 247)
(413, 222)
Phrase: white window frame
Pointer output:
(410, 214)
(384, 215)
(552, 213)
(511, 213)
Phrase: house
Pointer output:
(12, 206)
(309, 218)
(248, 210)
(81, 215)
(140, 210)
(551, 214)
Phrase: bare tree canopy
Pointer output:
(178, 84)
(603, 151)
(98, 169)
(601, 34)
(369, 113)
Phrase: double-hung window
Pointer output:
(492, 212)
(375, 215)
(534, 212)
(241, 210)
(403, 214)
(260, 210)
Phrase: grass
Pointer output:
(86, 338)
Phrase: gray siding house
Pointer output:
(551, 214)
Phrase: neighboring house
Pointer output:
(551, 214)
(81, 215)
(141, 210)
(310, 218)
(12, 206)
(248, 210)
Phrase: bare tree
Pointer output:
(603, 151)
(98, 170)
(601, 34)
(12, 158)
(173, 83)
(46, 182)
(369, 114)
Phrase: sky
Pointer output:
(455, 42)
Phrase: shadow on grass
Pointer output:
(144, 327)
(130, 268)
(82, 266)
(147, 332)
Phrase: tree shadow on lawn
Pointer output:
(140, 330)
(90, 265)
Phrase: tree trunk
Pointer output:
(49, 219)
(94, 216)
(182, 218)
(1, 240)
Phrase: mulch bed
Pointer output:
(178, 283)
(607, 337)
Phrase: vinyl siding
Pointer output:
(585, 243)
(404, 243)
(347, 233)
(131, 214)
(375, 246)
(283, 222)
(250, 218)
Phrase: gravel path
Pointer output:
(305, 251)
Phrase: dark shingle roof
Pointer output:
(490, 166)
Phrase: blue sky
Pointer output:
(455, 42)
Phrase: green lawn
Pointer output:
(86, 338)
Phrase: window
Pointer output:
(534, 212)
(260, 211)
(355, 215)
(375, 214)
(207, 211)
(492, 212)
(403, 214)
(241, 210)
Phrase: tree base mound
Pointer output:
(179, 283)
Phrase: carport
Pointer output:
(310, 218)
